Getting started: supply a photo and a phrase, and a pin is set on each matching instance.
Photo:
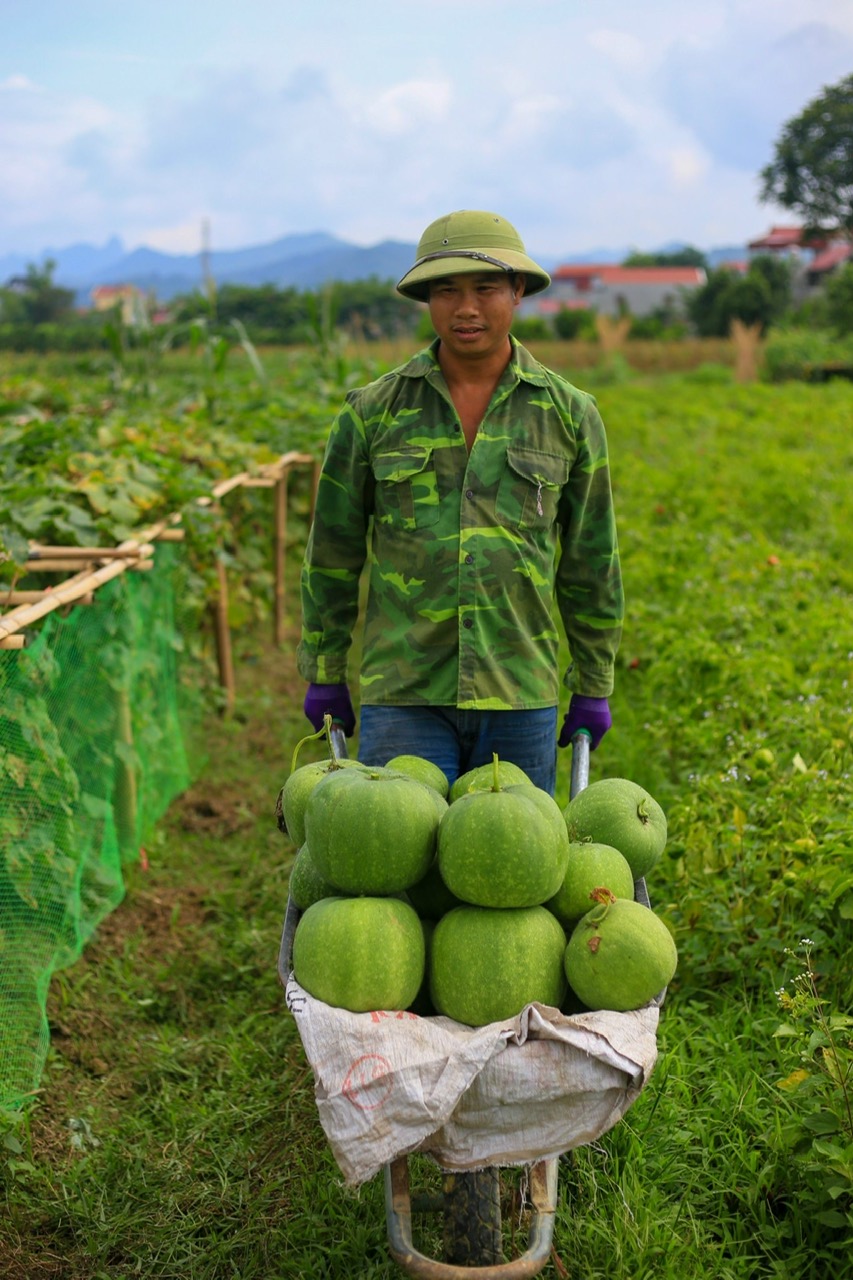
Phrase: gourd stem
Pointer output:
(604, 899)
(312, 737)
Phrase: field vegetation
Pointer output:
(175, 1132)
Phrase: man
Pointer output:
(481, 479)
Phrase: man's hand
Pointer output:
(592, 714)
(333, 699)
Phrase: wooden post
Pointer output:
(126, 794)
(223, 637)
(747, 341)
(279, 554)
(612, 331)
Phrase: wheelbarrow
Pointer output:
(469, 1202)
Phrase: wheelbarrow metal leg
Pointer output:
(398, 1211)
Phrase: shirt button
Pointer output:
(469, 493)
(468, 623)
(469, 559)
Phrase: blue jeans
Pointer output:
(458, 740)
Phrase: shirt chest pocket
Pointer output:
(406, 488)
(530, 487)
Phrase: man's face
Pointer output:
(472, 312)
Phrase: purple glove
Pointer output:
(592, 714)
(331, 698)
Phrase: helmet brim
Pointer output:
(415, 283)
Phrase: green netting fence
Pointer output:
(99, 731)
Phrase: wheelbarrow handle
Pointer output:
(338, 740)
(580, 762)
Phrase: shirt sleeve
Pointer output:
(589, 578)
(336, 552)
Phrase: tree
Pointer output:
(729, 296)
(531, 329)
(811, 172)
(777, 273)
(574, 322)
(839, 299)
(686, 257)
(40, 300)
(366, 309)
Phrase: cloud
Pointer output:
(406, 108)
(37, 177)
(687, 165)
(627, 124)
(736, 96)
(17, 84)
(620, 47)
(587, 135)
(579, 134)
(215, 123)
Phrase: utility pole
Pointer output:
(206, 274)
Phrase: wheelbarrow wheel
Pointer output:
(472, 1218)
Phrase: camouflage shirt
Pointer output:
(467, 553)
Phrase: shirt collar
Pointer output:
(522, 365)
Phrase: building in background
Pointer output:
(128, 297)
(613, 290)
(813, 258)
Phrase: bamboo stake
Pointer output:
(226, 486)
(32, 597)
(64, 593)
(167, 530)
(83, 583)
(41, 553)
(17, 641)
(288, 460)
(56, 566)
(126, 797)
(68, 563)
(223, 637)
(279, 550)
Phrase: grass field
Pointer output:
(175, 1134)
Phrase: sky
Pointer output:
(586, 123)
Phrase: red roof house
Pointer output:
(609, 288)
(828, 259)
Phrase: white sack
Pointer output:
(510, 1093)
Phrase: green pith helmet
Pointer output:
(467, 241)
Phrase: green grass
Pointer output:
(196, 1151)
(173, 1045)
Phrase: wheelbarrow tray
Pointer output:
(390, 1083)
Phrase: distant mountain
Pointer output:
(74, 264)
(302, 261)
(295, 261)
(729, 253)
